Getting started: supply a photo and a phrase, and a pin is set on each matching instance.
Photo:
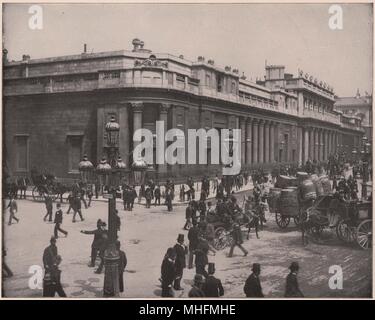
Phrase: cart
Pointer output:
(353, 227)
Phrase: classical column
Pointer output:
(325, 145)
(321, 145)
(248, 141)
(163, 116)
(124, 141)
(311, 144)
(266, 142)
(306, 145)
(255, 141)
(272, 142)
(261, 142)
(243, 140)
(300, 144)
(316, 145)
(137, 118)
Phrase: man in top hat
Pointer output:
(50, 254)
(13, 208)
(196, 290)
(212, 287)
(253, 288)
(292, 288)
(193, 236)
(58, 221)
(96, 243)
(168, 273)
(180, 263)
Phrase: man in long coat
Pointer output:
(213, 286)
(168, 273)
(180, 263)
(253, 288)
(292, 288)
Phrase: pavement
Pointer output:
(145, 236)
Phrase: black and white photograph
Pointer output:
(187, 150)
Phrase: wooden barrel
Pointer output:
(289, 202)
(308, 189)
(326, 184)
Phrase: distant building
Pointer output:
(55, 110)
(357, 106)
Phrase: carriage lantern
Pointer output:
(139, 167)
(85, 167)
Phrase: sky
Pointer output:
(244, 36)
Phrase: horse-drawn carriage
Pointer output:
(352, 224)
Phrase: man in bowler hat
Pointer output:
(213, 286)
(180, 263)
(253, 288)
(292, 288)
(237, 240)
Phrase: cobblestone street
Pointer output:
(147, 233)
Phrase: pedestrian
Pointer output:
(237, 240)
(148, 196)
(180, 264)
(49, 254)
(90, 194)
(292, 288)
(49, 207)
(96, 243)
(13, 209)
(253, 288)
(70, 201)
(52, 280)
(77, 208)
(122, 266)
(58, 221)
(188, 216)
(213, 287)
(5, 269)
(102, 247)
(196, 290)
(193, 236)
(132, 196)
(168, 273)
(168, 199)
(201, 257)
(157, 195)
(125, 196)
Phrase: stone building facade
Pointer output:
(55, 110)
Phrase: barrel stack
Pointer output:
(289, 202)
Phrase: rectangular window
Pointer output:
(22, 153)
(208, 80)
(74, 152)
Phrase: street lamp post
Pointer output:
(110, 173)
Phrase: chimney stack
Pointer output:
(25, 57)
(84, 48)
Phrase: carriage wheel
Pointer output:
(364, 234)
(344, 232)
(221, 239)
(302, 217)
(282, 221)
(38, 195)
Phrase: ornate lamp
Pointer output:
(120, 169)
(103, 170)
(139, 167)
(85, 167)
(112, 128)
